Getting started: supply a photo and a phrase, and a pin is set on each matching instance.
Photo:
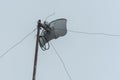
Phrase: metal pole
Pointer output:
(36, 51)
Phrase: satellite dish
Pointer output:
(53, 30)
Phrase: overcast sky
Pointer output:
(87, 57)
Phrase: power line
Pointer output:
(80, 32)
(70, 78)
(17, 43)
(91, 33)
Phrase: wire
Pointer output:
(43, 42)
(17, 43)
(106, 34)
(70, 78)
(91, 33)
(50, 16)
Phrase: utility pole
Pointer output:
(36, 50)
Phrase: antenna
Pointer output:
(53, 30)
(46, 33)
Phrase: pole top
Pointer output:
(39, 23)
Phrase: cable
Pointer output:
(43, 41)
(61, 62)
(92, 33)
(49, 16)
(43, 45)
(106, 34)
(17, 43)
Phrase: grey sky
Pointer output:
(87, 57)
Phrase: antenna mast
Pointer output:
(53, 30)
(36, 50)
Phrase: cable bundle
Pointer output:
(43, 42)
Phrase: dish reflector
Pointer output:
(57, 28)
